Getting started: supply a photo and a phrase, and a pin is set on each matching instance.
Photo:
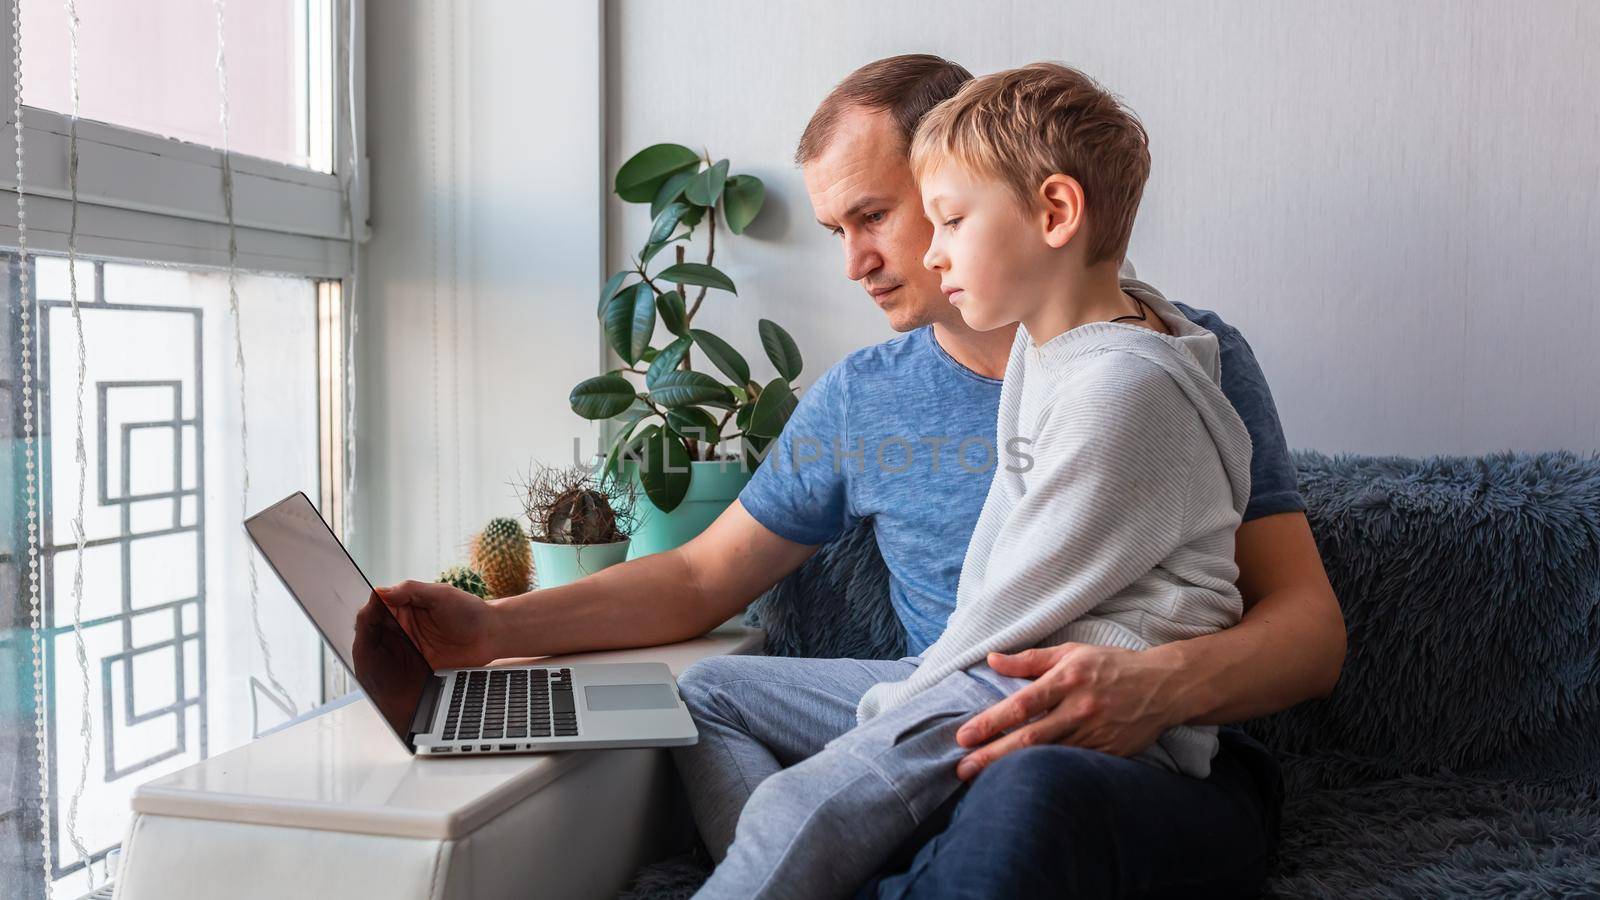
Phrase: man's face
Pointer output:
(861, 190)
(985, 248)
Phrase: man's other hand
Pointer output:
(1084, 695)
(453, 628)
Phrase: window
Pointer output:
(176, 656)
(174, 669)
(151, 66)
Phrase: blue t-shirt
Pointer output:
(902, 433)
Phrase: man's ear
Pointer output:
(1062, 216)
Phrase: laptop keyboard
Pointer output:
(511, 703)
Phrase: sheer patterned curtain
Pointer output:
(165, 373)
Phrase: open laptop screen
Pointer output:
(329, 586)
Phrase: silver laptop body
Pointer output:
(510, 709)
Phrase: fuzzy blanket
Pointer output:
(1460, 752)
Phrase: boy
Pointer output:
(1115, 527)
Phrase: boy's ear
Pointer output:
(1063, 212)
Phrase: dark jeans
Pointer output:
(1057, 821)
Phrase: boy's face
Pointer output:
(986, 248)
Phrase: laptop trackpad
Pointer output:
(609, 697)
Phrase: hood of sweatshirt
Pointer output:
(1190, 354)
(1197, 341)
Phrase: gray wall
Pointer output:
(1397, 203)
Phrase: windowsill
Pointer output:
(340, 769)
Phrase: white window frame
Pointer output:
(147, 198)
(144, 198)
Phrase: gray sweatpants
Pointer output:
(791, 796)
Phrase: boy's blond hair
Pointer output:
(1023, 125)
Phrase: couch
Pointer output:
(1459, 753)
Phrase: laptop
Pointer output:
(434, 712)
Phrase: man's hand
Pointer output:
(386, 664)
(1084, 695)
(452, 627)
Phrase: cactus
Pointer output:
(568, 506)
(581, 515)
(463, 578)
(502, 556)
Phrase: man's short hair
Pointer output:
(1023, 125)
(904, 86)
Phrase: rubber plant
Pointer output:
(668, 413)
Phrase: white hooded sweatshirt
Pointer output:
(1120, 528)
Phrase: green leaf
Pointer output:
(670, 190)
(602, 397)
(697, 273)
(772, 410)
(781, 349)
(663, 466)
(608, 469)
(666, 223)
(741, 419)
(650, 250)
(694, 422)
(630, 320)
(722, 355)
(675, 389)
(612, 286)
(642, 175)
(673, 315)
(661, 229)
(693, 216)
(754, 445)
(742, 200)
(705, 189)
(649, 355)
(635, 445)
(666, 361)
(627, 420)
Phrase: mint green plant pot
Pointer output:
(558, 564)
(713, 485)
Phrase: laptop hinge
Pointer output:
(432, 690)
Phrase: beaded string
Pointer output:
(30, 450)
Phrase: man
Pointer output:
(1059, 808)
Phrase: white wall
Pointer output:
(516, 326)
(1398, 203)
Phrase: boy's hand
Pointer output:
(452, 627)
(1084, 695)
